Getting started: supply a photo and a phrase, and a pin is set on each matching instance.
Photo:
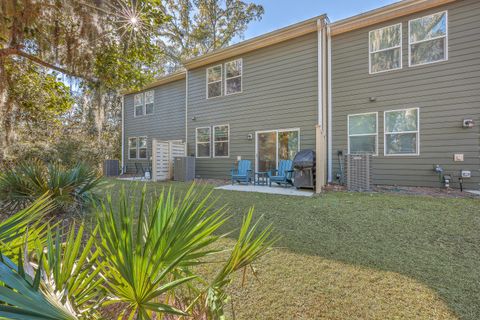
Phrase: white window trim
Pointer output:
(145, 103)
(138, 105)
(363, 134)
(138, 148)
(240, 76)
(385, 133)
(221, 81)
(228, 141)
(277, 131)
(209, 142)
(386, 49)
(434, 38)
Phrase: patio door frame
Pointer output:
(277, 131)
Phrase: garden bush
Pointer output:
(141, 259)
(68, 188)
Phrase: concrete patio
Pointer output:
(270, 190)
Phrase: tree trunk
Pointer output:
(3, 105)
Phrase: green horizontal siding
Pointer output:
(446, 93)
(279, 92)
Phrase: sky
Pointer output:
(282, 13)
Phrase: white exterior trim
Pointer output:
(363, 134)
(240, 76)
(386, 49)
(209, 142)
(228, 141)
(385, 133)
(434, 38)
(123, 136)
(329, 108)
(221, 81)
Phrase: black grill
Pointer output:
(304, 164)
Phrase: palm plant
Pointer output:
(67, 187)
(61, 281)
(14, 229)
(151, 256)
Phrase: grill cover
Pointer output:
(304, 159)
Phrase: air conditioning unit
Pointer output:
(184, 168)
(358, 172)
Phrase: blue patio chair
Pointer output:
(243, 172)
(282, 176)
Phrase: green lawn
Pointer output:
(359, 256)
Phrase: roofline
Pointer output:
(163, 80)
(265, 40)
(389, 12)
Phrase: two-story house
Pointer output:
(401, 82)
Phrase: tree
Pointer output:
(197, 27)
(76, 39)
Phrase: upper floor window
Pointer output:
(363, 133)
(138, 105)
(221, 137)
(233, 76)
(143, 103)
(401, 132)
(203, 142)
(385, 48)
(149, 99)
(428, 41)
(214, 81)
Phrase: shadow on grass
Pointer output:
(435, 241)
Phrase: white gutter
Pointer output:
(186, 110)
(123, 134)
(329, 107)
(320, 71)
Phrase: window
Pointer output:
(428, 41)
(142, 148)
(233, 76)
(138, 101)
(132, 148)
(385, 47)
(363, 133)
(214, 82)
(149, 98)
(221, 136)
(203, 142)
(402, 132)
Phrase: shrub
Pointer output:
(68, 188)
(141, 259)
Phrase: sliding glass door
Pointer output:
(275, 145)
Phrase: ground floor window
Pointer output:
(203, 142)
(137, 148)
(142, 148)
(221, 139)
(363, 133)
(132, 148)
(402, 129)
(275, 145)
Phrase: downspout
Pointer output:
(320, 130)
(330, 109)
(186, 110)
(320, 71)
(123, 136)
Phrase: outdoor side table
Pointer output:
(261, 178)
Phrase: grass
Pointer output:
(359, 256)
